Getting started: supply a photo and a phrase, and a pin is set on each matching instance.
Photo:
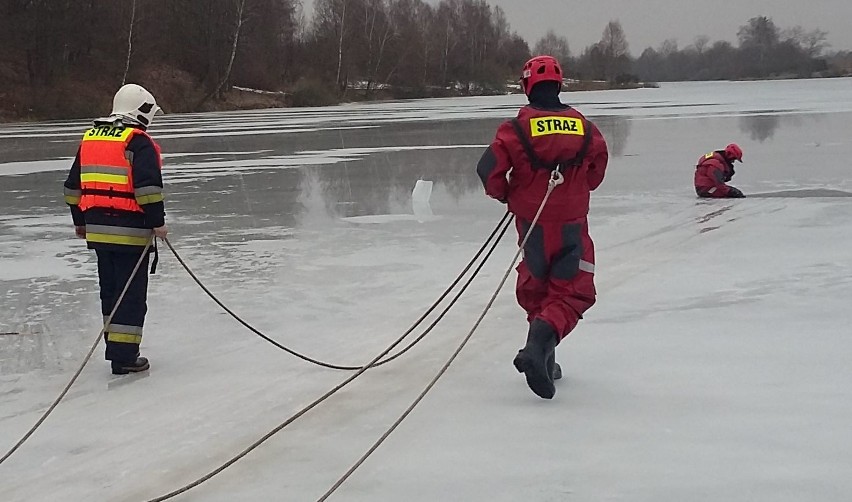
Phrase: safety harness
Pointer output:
(537, 163)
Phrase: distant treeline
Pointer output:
(764, 51)
(65, 58)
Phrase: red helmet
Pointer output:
(540, 69)
(734, 152)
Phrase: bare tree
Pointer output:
(340, 42)
(447, 17)
(334, 35)
(217, 91)
(592, 63)
(701, 43)
(812, 42)
(613, 46)
(129, 41)
(553, 45)
(377, 32)
(613, 42)
(758, 38)
(668, 47)
(759, 32)
(411, 48)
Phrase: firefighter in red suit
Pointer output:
(714, 170)
(556, 276)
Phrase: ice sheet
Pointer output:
(713, 367)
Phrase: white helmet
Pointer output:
(135, 104)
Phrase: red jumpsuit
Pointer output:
(711, 173)
(556, 275)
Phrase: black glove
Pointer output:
(735, 193)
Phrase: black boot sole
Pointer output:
(538, 379)
(126, 370)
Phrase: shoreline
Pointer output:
(243, 98)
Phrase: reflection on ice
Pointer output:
(760, 127)
(616, 130)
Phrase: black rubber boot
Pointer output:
(534, 359)
(140, 364)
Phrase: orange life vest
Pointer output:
(106, 170)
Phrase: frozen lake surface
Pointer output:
(715, 365)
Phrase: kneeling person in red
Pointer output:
(556, 276)
(714, 170)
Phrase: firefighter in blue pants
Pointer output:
(115, 192)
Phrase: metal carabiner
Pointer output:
(556, 178)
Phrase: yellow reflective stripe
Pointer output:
(116, 179)
(149, 199)
(117, 239)
(124, 338)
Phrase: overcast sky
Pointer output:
(649, 22)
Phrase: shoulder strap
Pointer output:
(587, 140)
(528, 148)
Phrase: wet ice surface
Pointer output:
(714, 366)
